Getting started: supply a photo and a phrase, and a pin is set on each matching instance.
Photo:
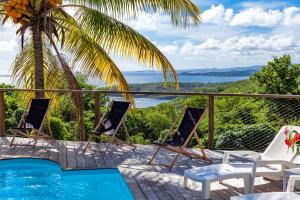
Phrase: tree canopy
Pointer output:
(279, 76)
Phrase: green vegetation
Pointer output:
(280, 76)
(240, 122)
(89, 36)
(184, 87)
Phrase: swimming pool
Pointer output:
(34, 179)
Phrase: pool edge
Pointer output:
(133, 187)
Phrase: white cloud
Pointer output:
(291, 16)
(8, 45)
(257, 17)
(252, 16)
(246, 45)
(168, 49)
(217, 14)
(147, 21)
(267, 18)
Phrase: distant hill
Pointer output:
(228, 69)
(246, 73)
(184, 87)
(221, 72)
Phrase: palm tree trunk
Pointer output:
(38, 60)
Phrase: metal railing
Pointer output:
(277, 110)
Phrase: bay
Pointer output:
(153, 77)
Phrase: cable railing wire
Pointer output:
(241, 121)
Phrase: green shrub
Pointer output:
(58, 129)
(157, 122)
(73, 130)
(139, 139)
(252, 137)
(162, 135)
(89, 121)
(17, 114)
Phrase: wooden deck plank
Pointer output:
(71, 157)
(79, 156)
(97, 155)
(62, 154)
(106, 156)
(145, 181)
(54, 150)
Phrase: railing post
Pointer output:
(97, 108)
(2, 115)
(211, 121)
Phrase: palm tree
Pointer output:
(60, 37)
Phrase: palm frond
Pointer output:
(92, 59)
(2, 14)
(23, 72)
(116, 37)
(182, 12)
(57, 75)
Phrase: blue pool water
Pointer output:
(38, 179)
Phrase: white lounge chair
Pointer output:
(291, 183)
(270, 164)
(288, 195)
(269, 196)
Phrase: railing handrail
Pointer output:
(275, 96)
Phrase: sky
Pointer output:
(233, 33)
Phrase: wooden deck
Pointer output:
(145, 181)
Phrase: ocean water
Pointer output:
(152, 77)
(143, 102)
(35, 179)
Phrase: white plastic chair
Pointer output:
(269, 196)
(270, 164)
(291, 183)
(288, 195)
(275, 158)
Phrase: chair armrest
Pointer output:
(291, 183)
(228, 153)
(260, 163)
(270, 162)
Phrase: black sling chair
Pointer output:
(110, 124)
(33, 121)
(180, 139)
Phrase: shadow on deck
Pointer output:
(145, 181)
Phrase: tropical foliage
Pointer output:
(55, 41)
(280, 76)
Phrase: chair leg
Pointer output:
(109, 144)
(284, 183)
(174, 161)
(88, 144)
(154, 155)
(247, 185)
(36, 138)
(205, 194)
(185, 181)
(12, 141)
(35, 142)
